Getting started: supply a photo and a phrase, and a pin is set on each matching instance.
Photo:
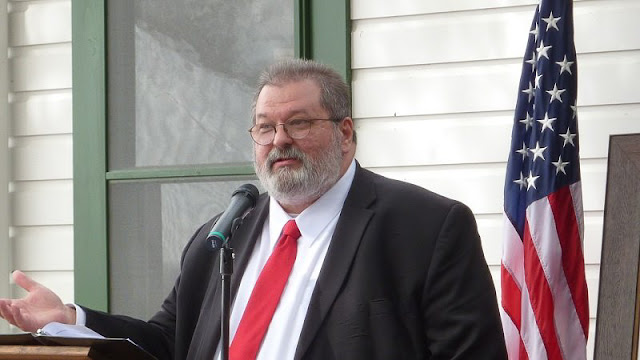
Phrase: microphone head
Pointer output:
(249, 191)
(243, 200)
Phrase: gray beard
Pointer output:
(305, 184)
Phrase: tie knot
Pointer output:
(291, 229)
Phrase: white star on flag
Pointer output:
(560, 165)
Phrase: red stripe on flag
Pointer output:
(540, 296)
(523, 352)
(511, 304)
(511, 295)
(572, 257)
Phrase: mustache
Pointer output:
(288, 153)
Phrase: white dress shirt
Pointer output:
(317, 224)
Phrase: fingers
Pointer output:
(6, 311)
(24, 281)
(18, 316)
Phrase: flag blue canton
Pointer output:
(544, 140)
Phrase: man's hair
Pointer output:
(335, 93)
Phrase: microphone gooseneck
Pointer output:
(242, 200)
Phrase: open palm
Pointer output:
(38, 308)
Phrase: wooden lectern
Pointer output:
(39, 347)
(39, 352)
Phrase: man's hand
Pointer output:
(40, 307)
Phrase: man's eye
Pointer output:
(265, 128)
(296, 123)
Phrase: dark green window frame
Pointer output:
(322, 32)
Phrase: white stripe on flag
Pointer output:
(512, 252)
(529, 330)
(511, 335)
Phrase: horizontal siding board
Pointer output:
(473, 36)
(40, 22)
(610, 78)
(597, 123)
(419, 90)
(604, 79)
(41, 113)
(362, 9)
(415, 141)
(606, 25)
(481, 187)
(475, 138)
(43, 248)
(42, 157)
(41, 67)
(433, 39)
(36, 203)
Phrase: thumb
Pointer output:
(24, 281)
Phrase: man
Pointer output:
(383, 269)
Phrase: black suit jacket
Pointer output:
(404, 278)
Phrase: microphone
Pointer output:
(242, 201)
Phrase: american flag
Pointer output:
(545, 309)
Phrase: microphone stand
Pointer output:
(226, 270)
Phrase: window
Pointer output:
(167, 151)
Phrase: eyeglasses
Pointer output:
(263, 134)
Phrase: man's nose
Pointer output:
(281, 137)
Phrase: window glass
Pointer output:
(149, 225)
(181, 75)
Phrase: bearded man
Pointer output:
(373, 268)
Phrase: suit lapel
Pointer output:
(210, 321)
(354, 218)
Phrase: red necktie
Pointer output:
(265, 296)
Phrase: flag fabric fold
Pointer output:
(544, 307)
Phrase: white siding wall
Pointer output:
(434, 89)
(40, 143)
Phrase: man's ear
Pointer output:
(346, 128)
